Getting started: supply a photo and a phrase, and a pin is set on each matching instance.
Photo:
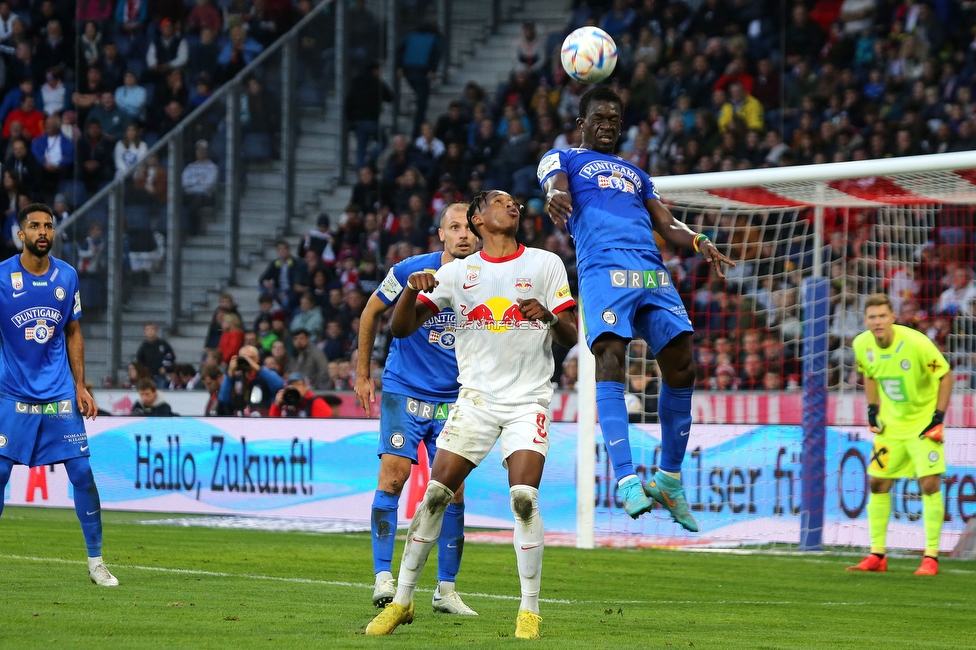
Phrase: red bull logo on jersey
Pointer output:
(616, 182)
(522, 285)
(495, 315)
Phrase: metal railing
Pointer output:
(293, 67)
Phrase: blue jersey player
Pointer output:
(42, 374)
(419, 384)
(611, 209)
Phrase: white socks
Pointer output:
(421, 537)
(529, 543)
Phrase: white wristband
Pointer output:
(554, 321)
(410, 286)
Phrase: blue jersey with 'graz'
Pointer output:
(608, 200)
(33, 312)
(422, 365)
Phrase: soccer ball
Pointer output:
(589, 55)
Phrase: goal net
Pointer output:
(778, 452)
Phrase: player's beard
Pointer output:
(33, 249)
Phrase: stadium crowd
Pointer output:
(708, 85)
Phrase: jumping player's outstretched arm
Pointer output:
(678, 234)
(559, 202)
(409, 315)
(75, 343)
(365, 388)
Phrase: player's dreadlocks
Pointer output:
(481, 198)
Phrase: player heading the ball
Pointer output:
(611, 209)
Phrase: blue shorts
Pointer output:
(36, 434)
(405, 422)
(624, 292)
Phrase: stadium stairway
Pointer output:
(476, 55)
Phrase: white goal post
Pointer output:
(897, 189)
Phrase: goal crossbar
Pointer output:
(911, 180)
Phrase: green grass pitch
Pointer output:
(204, 588)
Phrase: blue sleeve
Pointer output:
(392, 286)
(67, 153)
(74, 294)
(554, 161)
(223, 395)
(224, 57)
(649, 191)
(37, 148)
(273, 379)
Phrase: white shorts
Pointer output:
(473, 426)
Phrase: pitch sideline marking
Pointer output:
(360, 585)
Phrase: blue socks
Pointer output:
(674, 411)
(612, 410)
(450, 545)
(383, 524)
(5, 466)
(87, 505)
(384, 527)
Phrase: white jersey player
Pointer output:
(511, 303)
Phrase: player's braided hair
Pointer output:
(475, 207)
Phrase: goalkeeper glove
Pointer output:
(935, 431)
(875, 425)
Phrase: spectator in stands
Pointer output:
(308, 317)
(260, 109)
(334, 343)
(130, 27)
(150, 404)
(11, 101)
(22, 161)
(367, 192)
(31, 118)
(90, 45)
(530, 51)
(54, 53)
(156, 354)
(129, 150)
(417, 59)
(308, 359)
(7, 18)
(199, 187)
(743, 105)
(113, 119)
(280, 277)
(237, 53)
(88, 93)
(24, 66)
(56, 154)
(54, 94)
(173, 114)
(248, 387)
(956, 300)
(453, 125)
(150, 182)
(204, 16)
(112, 65)
(168, 51)
(804, 38)
(751, 374)
(225, 305)
(212, 378)
(231, 335)
(364, 103)
(131, 97)
(297, 400)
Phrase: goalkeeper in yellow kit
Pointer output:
(903, 370)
